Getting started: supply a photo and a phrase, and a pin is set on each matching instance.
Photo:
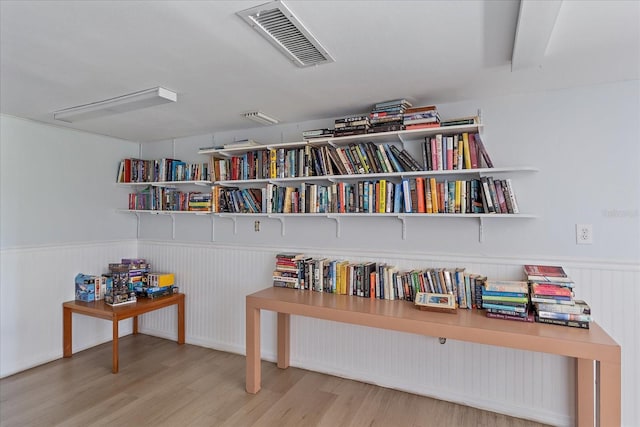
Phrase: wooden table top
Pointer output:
(105, 311)
(465, 325)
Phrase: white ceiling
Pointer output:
(59, 54)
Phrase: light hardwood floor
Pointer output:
(163, 384)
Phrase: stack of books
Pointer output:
(287, 271)
(460, 121)
(505, 299)
(388, 116)
(421, 117)
(199, 202)
(553, 298)
(317, 133)
(352, 125)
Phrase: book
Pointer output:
(425, 108)
(502, 298)
(564, 316)
(483, 151)
(519, 308)
(570, 323)
(579, 307)
(242, 143)
(527, 318)
(546, 273)
(468, 120)
(552, 290)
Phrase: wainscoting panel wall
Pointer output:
(35, 282)
(524, 384)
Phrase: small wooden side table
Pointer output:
(104, 311)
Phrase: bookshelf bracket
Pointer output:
(235, 222)
(213, 228)
(404, 226)
(281, 219)
(137, 225)
(338, 224)
(402, 141)
(173, 226)
(480, 229)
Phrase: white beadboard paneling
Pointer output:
(216, 279)
(34, 282)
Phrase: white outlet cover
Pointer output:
(584, 234)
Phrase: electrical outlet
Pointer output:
(584, 234)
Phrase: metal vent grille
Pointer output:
(275, 22)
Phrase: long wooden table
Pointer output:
(115, 314)
(586, 346)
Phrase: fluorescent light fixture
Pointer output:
(260, 117)
(120, 104)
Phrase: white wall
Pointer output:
(58, 185)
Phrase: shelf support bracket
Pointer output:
(213, 228)
(401, 141)
(281, 219)
(235, 224)
(137, 225)
(404, 226)
(234, 219)
(173, 227)
(338, 224)
(480, 229)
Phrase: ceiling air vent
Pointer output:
(275, 22)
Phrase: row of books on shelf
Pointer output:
(161, 170)
(170, 199)
(519, 300)
(388, 116)
(455, 152)
(374, 280)
(410, 195)
(126, 281)
(452, 152)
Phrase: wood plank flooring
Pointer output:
(163, 384)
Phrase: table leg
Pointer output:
(283, 340)
(253, 349)
(181, 321)
(115, 346)
(135, 325)
(610, 394)
(585, 389)
(66, 332)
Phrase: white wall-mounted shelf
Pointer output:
(407, 138)
(479, 173)
(338, 218)
(397, 136)
(172, 214)
(163, 183)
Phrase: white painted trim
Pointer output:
(566, 262)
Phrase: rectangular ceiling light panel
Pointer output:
(120, 104)
(260, 117)
(276, 23)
